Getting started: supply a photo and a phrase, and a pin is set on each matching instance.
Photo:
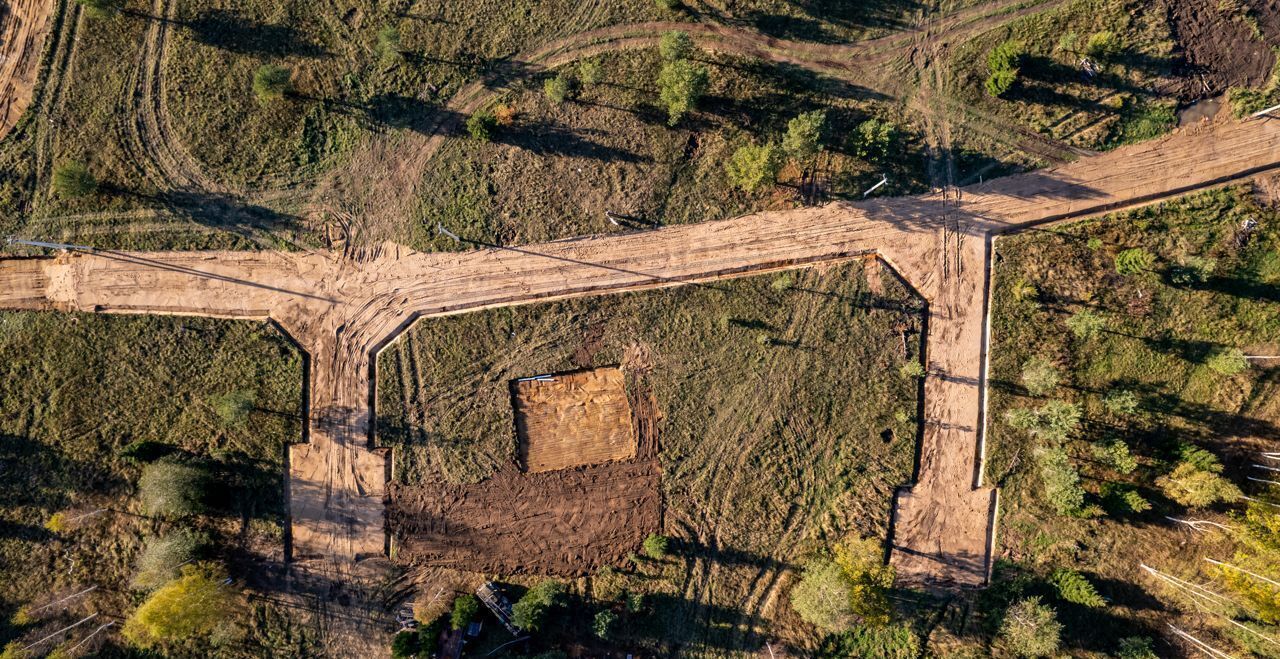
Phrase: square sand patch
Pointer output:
(571, 419)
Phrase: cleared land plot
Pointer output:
(22, 28)
(572, 419)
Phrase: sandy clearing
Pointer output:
(23, 26)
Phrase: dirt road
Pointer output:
(23, 24)
(342, 308)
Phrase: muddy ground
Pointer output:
(1217, 48)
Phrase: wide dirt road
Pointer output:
(343, 308)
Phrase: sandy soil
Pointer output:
(342, 308)
(23, 25)
(1217, 51)
(575, 419)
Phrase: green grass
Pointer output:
(1158, 336)
(76, 389)
(768, 447)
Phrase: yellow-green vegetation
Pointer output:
(88, 404)
(189, 608)
(1156, 414)
(817, 413)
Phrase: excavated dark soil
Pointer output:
(1217, 50)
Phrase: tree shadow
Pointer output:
(823, 20)
(232, 32)
(225, 211)
(555, 140)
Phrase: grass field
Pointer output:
(80, 393)
(1159, 332)
(784, 424)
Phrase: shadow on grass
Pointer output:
(823, 20)
(232, 32)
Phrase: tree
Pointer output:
(234, 407)
(1115, 454)
(172, 489)
(1073, 587)
(101, 8)
(1003, 65)
(1122, 402)
(822, 596)
(465, 608)
(803, 140)
(655, 545)
(1191, 486)
(912, 369)
(1039, 376)
(481, 124)
(873, 139)
(669, 5)
(680, 85)
(1030, 629)
(675, 45)
(889, 642)
(271, 82)
(589, 72)
(531, 611)
(1103, 45)
(1054, 421)
(405, 644)
(871, 580)
(604, 623)
(162, 558)
(194, 604)
(1062, 489)
(72, 179)
(388, 47)
(1227, 361)
(557, 89)
(753, 167)
(1195, 270)
(1136, 647)
(1133, 261)
(1086, 324)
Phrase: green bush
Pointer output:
(1115, 454)
(1073, 587)
(234, 407)
(388, 48)
(465, 608)
(1030, 629)
(1103, 46)
(589, 72)
(803, 140)
(1136, 647)
(1054, 421)
(481, 124)
(680, 85)
(1062, 489)
(162, 558)
(193, 605)
(531, 611)
(655, 545)
(753, 167)
(1121, 402)
(405, 645)
(912, 369)
(1086, 324)
(675, 45)
(271, 82)
(1003, 65)
(604, 623)
(1226, 360)
(1195, 270)
(72, 179)
(890, 642)
(874, 139)
(823, 596)
(998, 83)
(557, 89)
(102, 8)
(1192, 486)
(1040, 376)
(171, 489)
(669, 5)
(1134, 261)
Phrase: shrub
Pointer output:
(271, 82)
(429, 636)
(1122, 402)
(669, 5)
(162, 558)
(1103, 45)
(1195, 270)
(194, 604)
(1073, 587)
(1134, 261)
(998, 83)
(1086, 324)
(1136, 647)
(388, 47)
(1030, 629)
(1124, 498)
(1003, 65)
(101, 8)
(1191, 486)
(752, 167)
(1062, 489)
(1094, 244)
(405, 644)
(912, 369)
(589, 72)
(530, 613)
(72, 179)
(465, 608)
(234, 407)
(675, 45)
(557, 89)
(604, 623)
(1039, 376)
(891, 642)
(680, 85)
(1054, 421)
(1227, 361)
(870, 579)
(481, 124)
(874, 138)
(823, 595)
(803, 140)
(172, 489)
(655, 545)
(1115, 454)
(504, 114)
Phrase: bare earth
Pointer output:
(23, 24)
(573, 419)
(342, 308)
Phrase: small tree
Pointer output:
(481, 124)
(530, 613)
(557, 89)
(753, 167)
(72, 179)
(604, 623)
(1086, 324)
(655, 546)
(1073, 587)
(162, 558)
(1039, 376)
(804, 135)
(823, 595)
(1062, 489)
(1103, 45)
(194, 604)
(271, 83)
(1003, 65)
(388, 47)
(680, 85)
(405, 644)
(465, 608)
(1134, 261)
(668, 5)
(172, 489)
(589, 72)
(1030, 629)
(1115, 454)
(1192, 486)
(873, 139)
(234, 407)
(101, 8)
(1054, 421)
(863, 563)
(1122, 402)
(912, 369)
(675, 45)
(1136, 647)
(1195, 270)
(1227, 361)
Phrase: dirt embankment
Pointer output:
(1217, 46)
(23, 25)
